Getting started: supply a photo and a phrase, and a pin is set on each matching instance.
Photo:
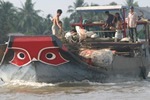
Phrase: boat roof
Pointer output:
(101, 8)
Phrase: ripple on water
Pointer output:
(21, 90)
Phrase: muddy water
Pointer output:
(19, 90)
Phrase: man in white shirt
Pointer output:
(132, 24)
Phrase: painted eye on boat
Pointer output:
(21, 55)
(50, 56)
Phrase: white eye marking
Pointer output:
(50, 56)
(21, 55)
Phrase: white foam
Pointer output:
(26, 83)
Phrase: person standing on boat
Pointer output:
(132, 24)
(56, 27)
(118, 27)
(108, 24)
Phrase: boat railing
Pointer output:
(102, 33)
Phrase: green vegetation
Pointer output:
(27, 20)
(131, 3)
(21, 20)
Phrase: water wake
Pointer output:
(17, 83)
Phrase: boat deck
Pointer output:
(109, 43)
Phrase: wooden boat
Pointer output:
(47, 59)
(117, 59)
(43, 59)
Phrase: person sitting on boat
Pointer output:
(132, 24)
(72, 36)
(79, 34)
(118, 27)
(83, 33)
(108, 24)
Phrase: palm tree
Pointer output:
(72, 9)
(113, 3)
(131, 3)
(28, 17)
(66, 22)
(91, 16)
(43, 26)
(8, 19)
(77, 3)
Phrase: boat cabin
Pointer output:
(125, 47)
(92, 18)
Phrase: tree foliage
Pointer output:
(113, 3)
(27, 20)
(131, 3)
(66, 25)
(72, 9)
(8, 19)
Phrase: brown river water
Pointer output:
(20, 90)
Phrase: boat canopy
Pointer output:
(101, 8)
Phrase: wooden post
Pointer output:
(124, 23)
(148, 33)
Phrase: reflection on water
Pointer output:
(18, 90)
